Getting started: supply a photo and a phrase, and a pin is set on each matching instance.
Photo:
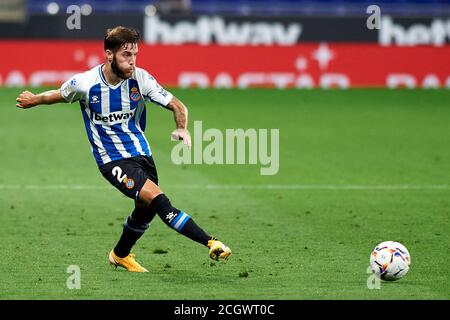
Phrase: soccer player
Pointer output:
(112, 99)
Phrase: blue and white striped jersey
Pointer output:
(114, 116)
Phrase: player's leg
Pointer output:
(138, 222)
(180, 221)
(128, 176)
(134, 227)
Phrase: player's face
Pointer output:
(124, 60)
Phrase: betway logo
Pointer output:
(113, 117)
(437, 33)
(207, 30)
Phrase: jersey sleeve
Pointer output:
(152, 91)
(71, 90)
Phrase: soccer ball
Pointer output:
(390, 260)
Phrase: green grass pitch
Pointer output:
(357, 167)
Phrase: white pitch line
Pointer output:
(319, 187)
(239, 187)
(53, 187)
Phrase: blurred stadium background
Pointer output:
(269, 43)
(356, 166)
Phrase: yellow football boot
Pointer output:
(218, 250)
(128, 262)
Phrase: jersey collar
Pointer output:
(102, 76)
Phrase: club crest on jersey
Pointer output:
(129, 183)
(135, 95)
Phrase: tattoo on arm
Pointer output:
(180, 113)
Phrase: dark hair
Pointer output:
(118, 36)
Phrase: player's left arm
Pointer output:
(180, 116)
(153, 92)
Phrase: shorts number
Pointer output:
(117, 171)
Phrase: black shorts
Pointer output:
(129, 175)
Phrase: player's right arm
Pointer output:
(71, 90)
(28, 100)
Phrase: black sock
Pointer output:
(194, 232)
(178, 220)
(133, 229)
